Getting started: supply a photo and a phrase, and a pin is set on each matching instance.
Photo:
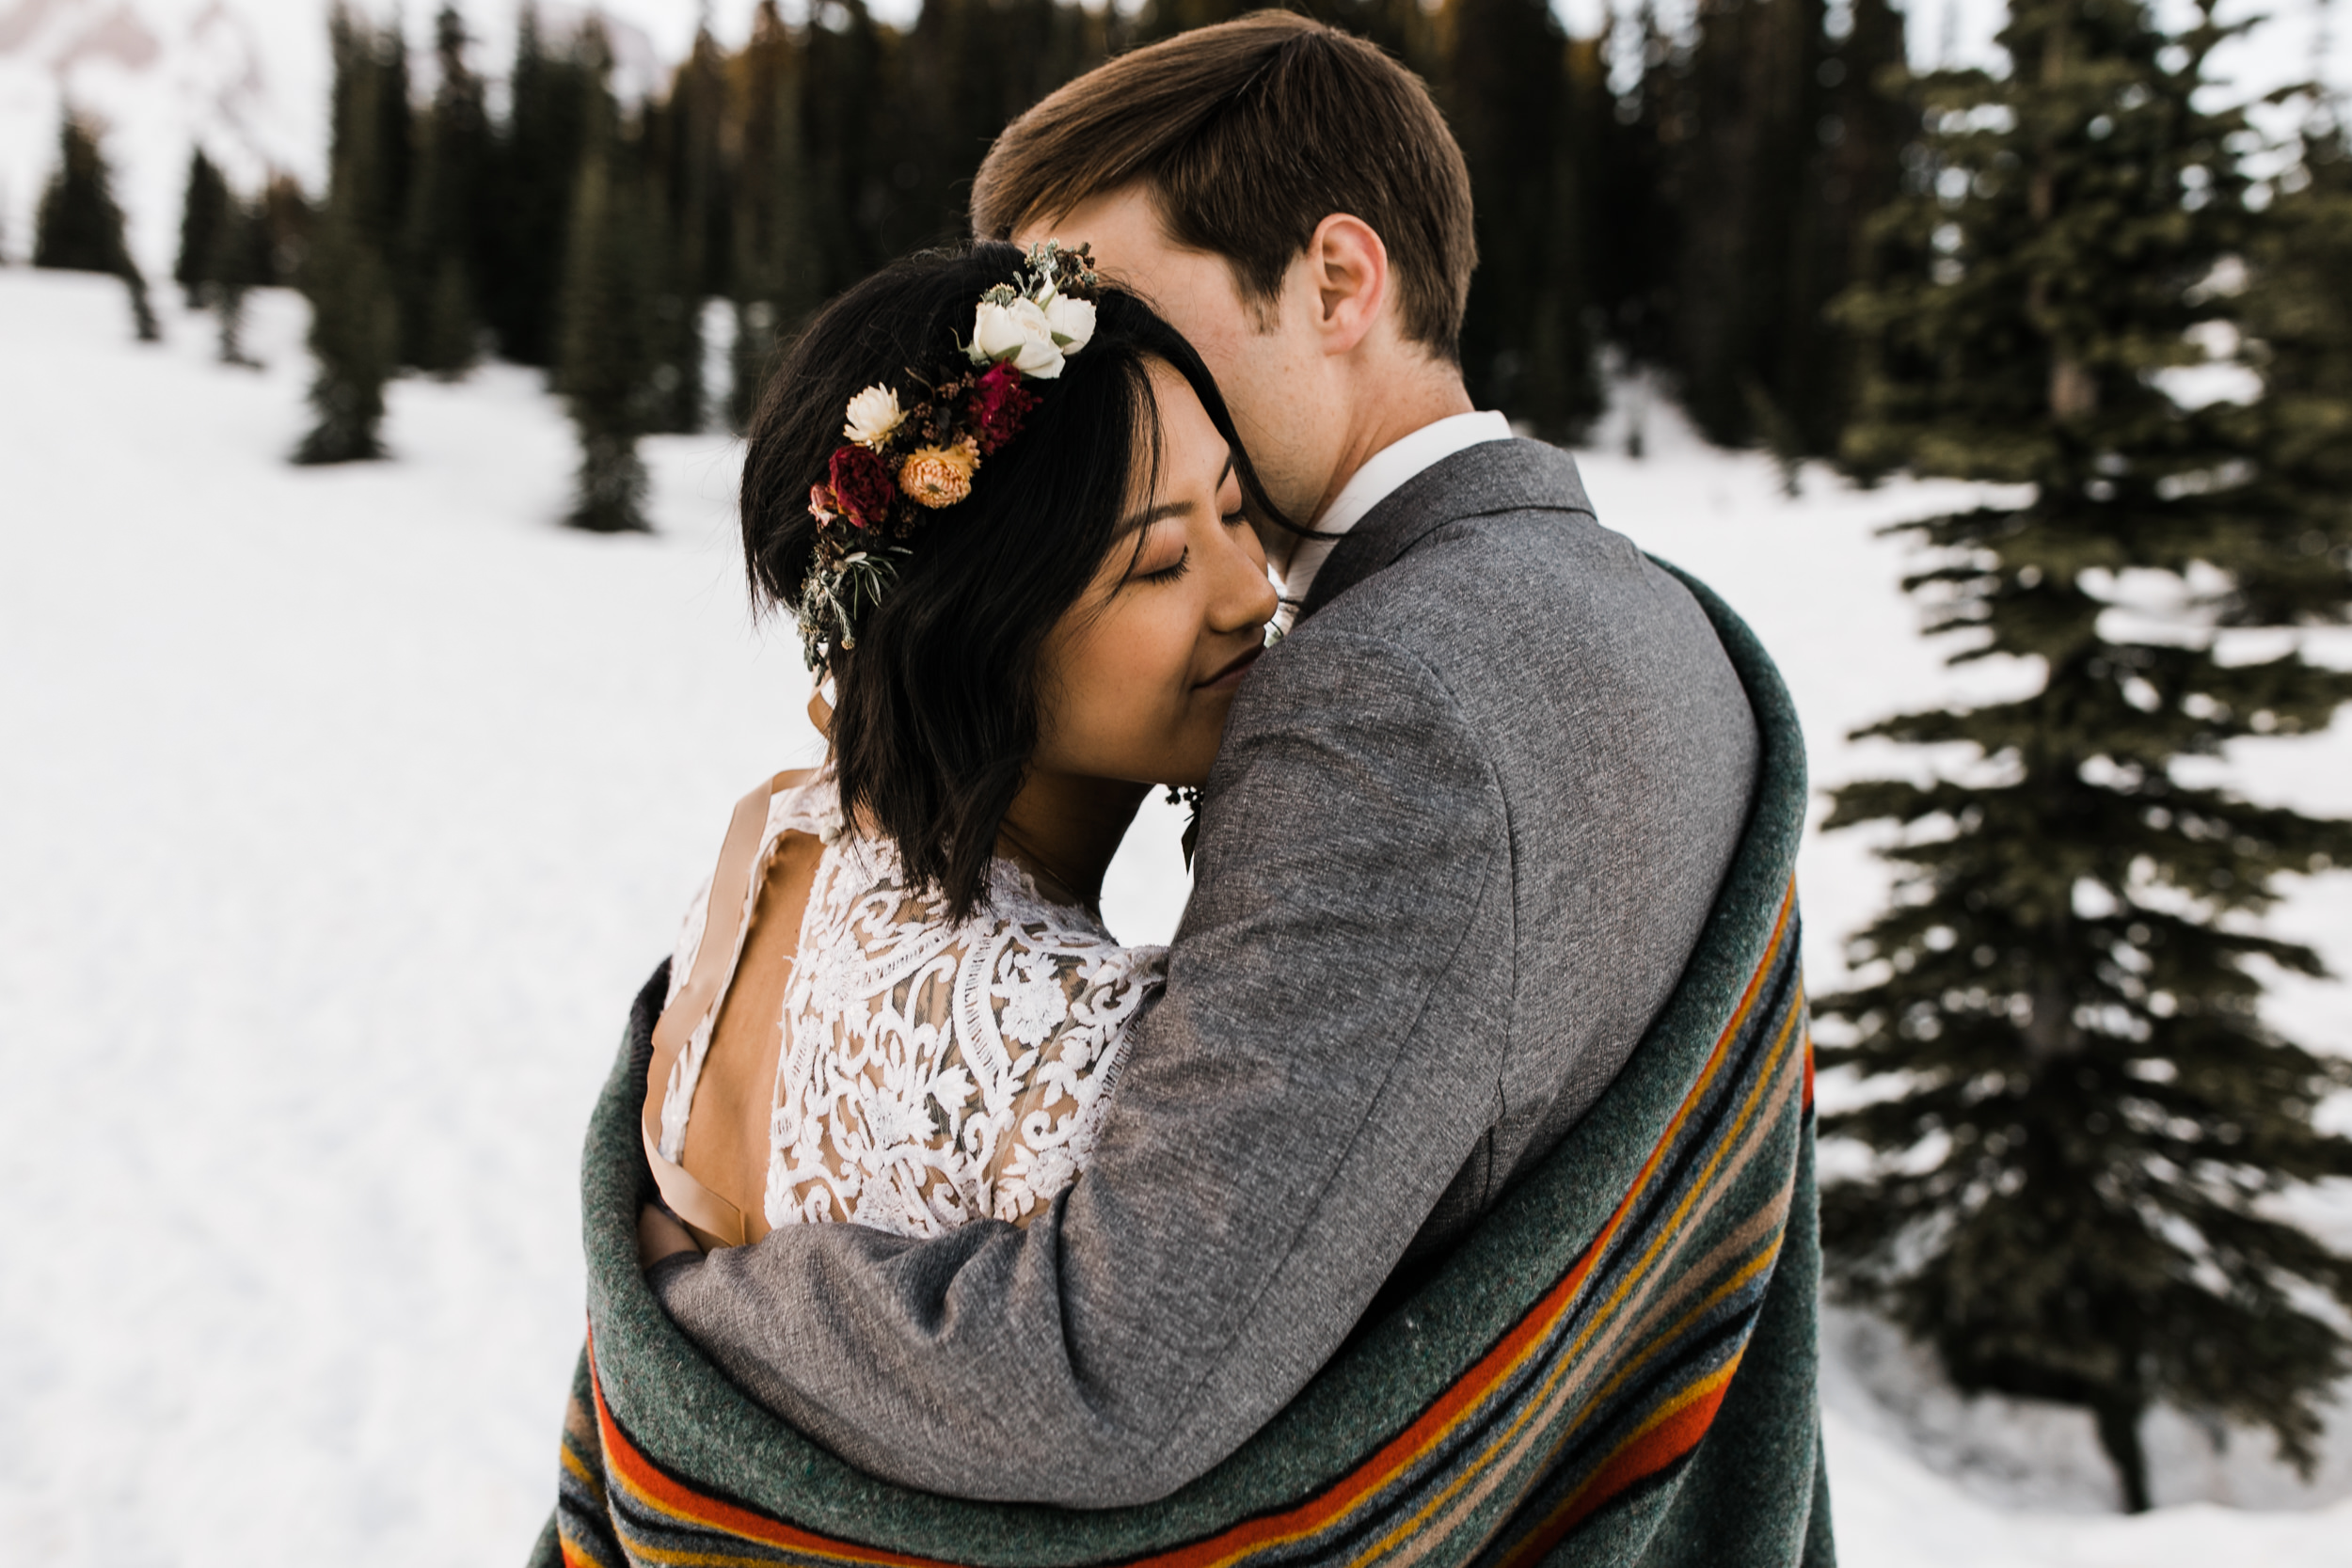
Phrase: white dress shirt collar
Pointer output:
(1383, 474)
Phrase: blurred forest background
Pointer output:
(1692, 199)
(1693, 202)
(2084, 277)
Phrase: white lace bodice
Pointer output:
(932, 1071)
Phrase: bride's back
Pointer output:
(879, 1060)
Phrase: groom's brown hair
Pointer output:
(1248, 134)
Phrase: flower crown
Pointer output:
(902, 464)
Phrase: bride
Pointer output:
(1003, 502)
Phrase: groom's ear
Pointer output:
(1347, 267)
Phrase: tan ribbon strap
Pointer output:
(719, 1221)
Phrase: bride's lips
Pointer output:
(1229, 677)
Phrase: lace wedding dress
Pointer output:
(933, 1071)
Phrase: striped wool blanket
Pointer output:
(1617, 1367)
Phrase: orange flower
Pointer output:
(939, 476)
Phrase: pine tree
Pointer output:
(203, 211)
(355, 316)
(777, 276)
(608, 335)
(846, 89)
(538, 171)
(2299, 313)
(224, 252)
(1627, 185)
(1864, 123)
(1750, 156)
(966, 70)
(2077, 1109)
(684, 137)
(281, 232)
(392, 178)
(1505, 85)
(355, 338)
(238, 250)
(78, 227)
(447, 211)
(1754, 102)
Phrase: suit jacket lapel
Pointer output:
(1476, 481)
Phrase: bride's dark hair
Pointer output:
(936, 714)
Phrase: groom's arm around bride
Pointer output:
(1466, 826)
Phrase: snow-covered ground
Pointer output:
(341, 811)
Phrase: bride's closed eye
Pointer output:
(1171, 572)
(1155, 566)
(1162, 551)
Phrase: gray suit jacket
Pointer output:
(1456, 848)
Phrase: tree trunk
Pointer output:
(2119, 1434)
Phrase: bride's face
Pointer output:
(1139, 675)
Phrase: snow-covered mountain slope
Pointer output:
(160, 75)
(245, 79)
(345, 809)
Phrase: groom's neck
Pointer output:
(1389, 399)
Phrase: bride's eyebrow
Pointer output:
(1142, 520)
(1170, 509)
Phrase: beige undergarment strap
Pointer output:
(718, 1221)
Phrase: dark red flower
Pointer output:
(862, 486)
(997, 403)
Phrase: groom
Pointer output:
(1467, 823)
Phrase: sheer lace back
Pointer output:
(933, 1071)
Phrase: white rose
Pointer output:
(994, 334)
(874, 413)
(1018, 332)
(1072, 319)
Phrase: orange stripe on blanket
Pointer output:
(1467, 1393)
(1664, 1438)
(1808, 1054)
(576, 1556)
(646, 1482)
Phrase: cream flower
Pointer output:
(874, 413)
(1072, 321)
(1019, 332)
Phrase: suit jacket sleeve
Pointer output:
(1291, 1110)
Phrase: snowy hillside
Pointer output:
(344, 810)
(245, 79)
(160, 75)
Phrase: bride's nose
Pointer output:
(1239, 596)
